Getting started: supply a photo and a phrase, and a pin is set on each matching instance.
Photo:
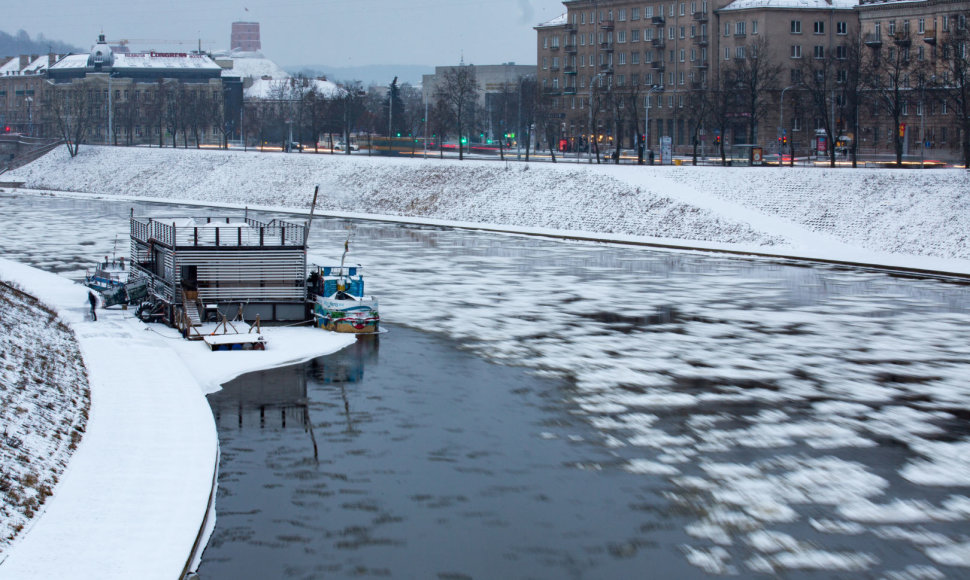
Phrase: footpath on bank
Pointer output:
(136, 499)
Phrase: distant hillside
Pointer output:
(377, 74)
(21, 43)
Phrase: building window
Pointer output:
(819, 51)
(670, 33)
(582, 18)
(622, 58)
(682, 34)
(545, 62)
(841, 27)
(892, 28)
(842, 52)
(843, 76)
(635, 57)
(727, 53)
(693, 54)
(922, 25)
(796, 76)
(739, 52)
(819, 27)
(545, 44)
(635, 35)
(635, 14)
(648, 12)
(622, 15)
(796, 51)
(727, 29)
(582, 40)
(739, 28)
(683, 10)
(754, 27)
(621, 36)
(682, 55)
(680, 77)
(796, 26)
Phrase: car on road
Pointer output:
(342, 146)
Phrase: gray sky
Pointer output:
(298, 32)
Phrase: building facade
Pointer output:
(134, 98)
(916, 42)
(644, 66)
(22, 81)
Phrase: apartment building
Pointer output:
(661, 54)
(22, 80)
(918, 37)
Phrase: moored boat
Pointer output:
(338, 299)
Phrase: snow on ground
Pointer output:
(136, 490)
(896, 217)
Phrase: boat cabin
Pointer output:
(204, 267)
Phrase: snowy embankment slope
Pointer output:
(136, 491)
(894, 217)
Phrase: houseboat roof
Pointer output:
(213, 232)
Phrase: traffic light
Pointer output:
(784, 140)
(6, 129)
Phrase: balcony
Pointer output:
(700, 40)
(700, 64)
(873, 39)
(658, 21)
(569, 70)
(570, 26)
(554, 47)
(607, 46)
(551, 92)
(929, 36)
(657, 65)
(698, 86)
(569, 91)
(902, 40)
(700, 16)
(571, 48)
(607, 25)
(606, 69)
(554, 68)
(658, 42)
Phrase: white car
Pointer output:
(342, 146)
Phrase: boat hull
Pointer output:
(349, 316)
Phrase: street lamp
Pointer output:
(781, 123)
(922, 117)
(589, 143)
(646, 118)
(30, 119)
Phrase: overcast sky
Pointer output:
(305, 32)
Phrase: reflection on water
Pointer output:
(432, 463)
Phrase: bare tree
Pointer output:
(886, 79)
(71, 109)
(755, 77)
(953, 85)
(457, 91)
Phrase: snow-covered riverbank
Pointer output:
(896, 217)
(135, 491)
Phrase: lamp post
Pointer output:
(30, 119)
(589, 143)
(922, 117)
(781, 122)
(646, 118)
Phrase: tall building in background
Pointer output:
(245, 37)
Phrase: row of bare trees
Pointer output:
(79, 110)
(836, 92)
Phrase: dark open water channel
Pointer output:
(432, 464)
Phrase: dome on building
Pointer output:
(101, 54)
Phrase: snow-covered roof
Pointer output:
(289, 88)
(144, 60)
(557, 21)
(790, 4)
(165, 60)
(253, 65)
(36, 66)
(71, 61)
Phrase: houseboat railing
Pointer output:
(219, 233)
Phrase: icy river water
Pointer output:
(544, 409)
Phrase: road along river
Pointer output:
(565, 409)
